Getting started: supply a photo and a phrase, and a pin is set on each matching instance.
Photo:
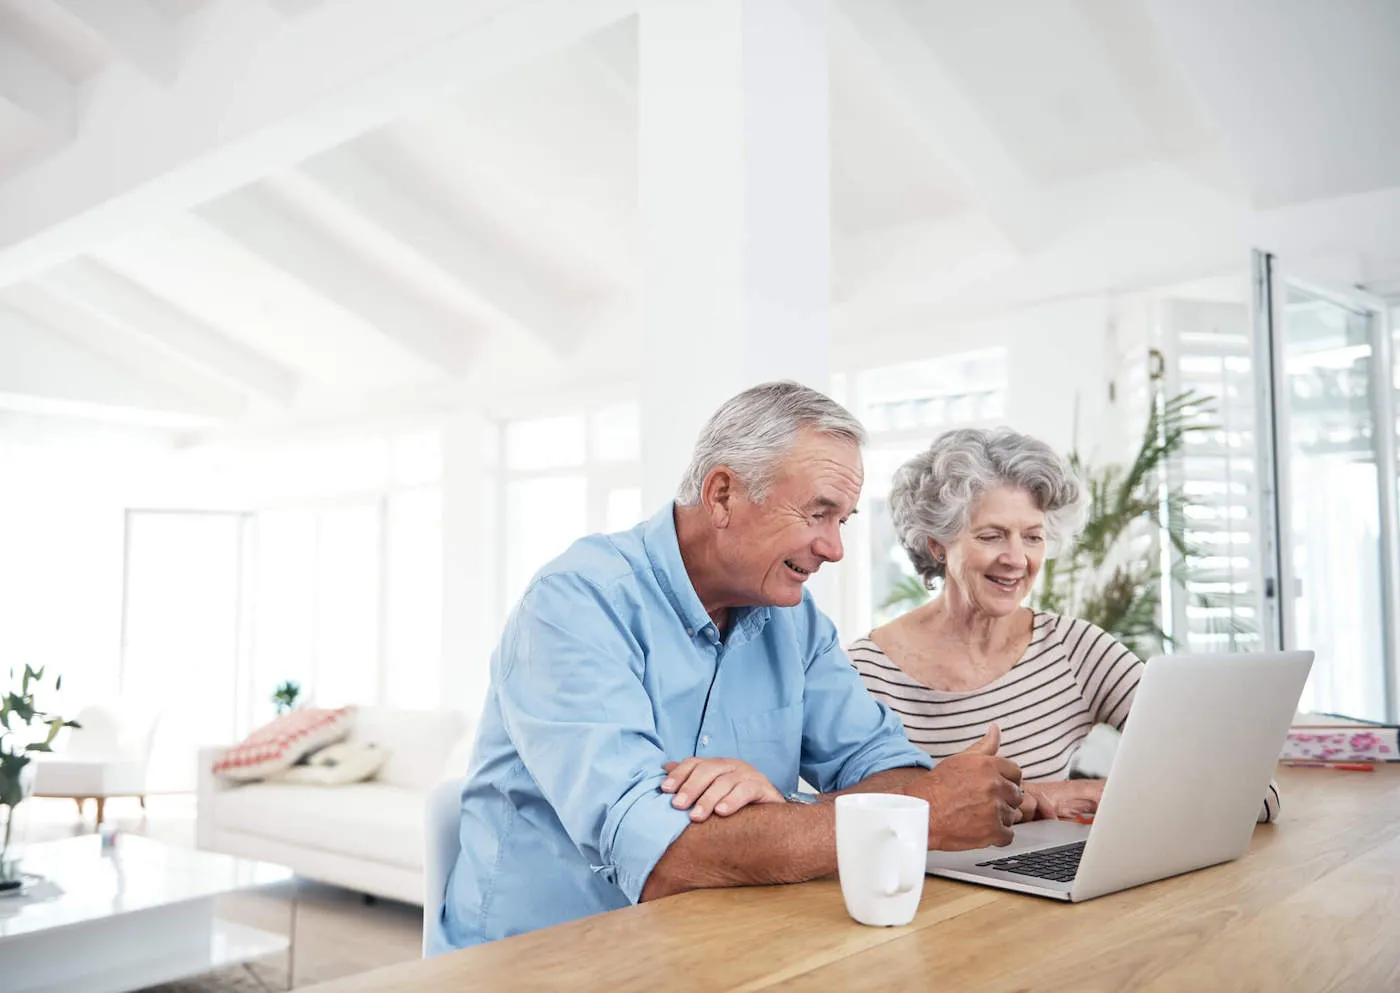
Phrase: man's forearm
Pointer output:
(889, 781)
(762, 844)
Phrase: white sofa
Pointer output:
(367, 836)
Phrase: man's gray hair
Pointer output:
(933, 494)
(752, 433)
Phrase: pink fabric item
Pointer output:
(277, 746)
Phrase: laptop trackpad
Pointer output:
(1036, 834)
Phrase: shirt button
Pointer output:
(704, 739)
(690, 632)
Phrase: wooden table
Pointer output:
(1315, 905)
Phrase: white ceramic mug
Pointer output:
(881, 844)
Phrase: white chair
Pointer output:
(108, 756)
(443, 823)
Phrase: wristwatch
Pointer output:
(803, 798)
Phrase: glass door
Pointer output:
(1334, 476)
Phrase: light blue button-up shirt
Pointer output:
(609, 667)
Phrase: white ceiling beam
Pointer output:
(121, 301)
(889, 53)
(613, 54)
(135, 30)
(36, 405)
(589, 236)
(340, 415)
(36, 92)
(126, 348)
(258, 93)
(503, 284)
(43, 373)
(295, 8)
(345, 276)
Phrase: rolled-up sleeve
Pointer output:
(573, 702)
(847, 735)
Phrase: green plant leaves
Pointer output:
(11, 765)
(1102, 578)
(908, 590)
(18, 711)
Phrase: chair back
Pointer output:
(113, 731)
(443, 823)
(99, 734)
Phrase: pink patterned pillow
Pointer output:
(277, 746)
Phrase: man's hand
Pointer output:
(1070, 798)
(720, 786)
(973, 797)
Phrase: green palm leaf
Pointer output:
(1101, 577)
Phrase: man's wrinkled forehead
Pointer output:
(829, 471)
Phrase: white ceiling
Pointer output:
(254, 212)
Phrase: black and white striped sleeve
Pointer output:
(1107, 671)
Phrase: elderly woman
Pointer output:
(976, 513)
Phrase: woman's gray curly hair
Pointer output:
(933, 494)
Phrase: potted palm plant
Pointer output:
(24, 730)
(286, 696)
(1106, 576)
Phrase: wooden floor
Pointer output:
(337, 933)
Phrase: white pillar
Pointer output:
(735, 207)
(470, 612)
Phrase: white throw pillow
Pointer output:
(337, 765)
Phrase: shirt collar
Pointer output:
(664, 552)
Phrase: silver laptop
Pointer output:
(1187, 784)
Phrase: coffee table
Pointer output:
(135, 915)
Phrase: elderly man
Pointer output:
(691, 638)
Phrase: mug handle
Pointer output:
(894, 878)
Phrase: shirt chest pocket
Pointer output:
(771, 741)
(782, 725)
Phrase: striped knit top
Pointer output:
(1072, 676)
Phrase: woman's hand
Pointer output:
(721, 786)
(1066, 798)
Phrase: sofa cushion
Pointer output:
(373, 821)
(418, 741)
(277, 746)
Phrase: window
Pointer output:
(181, 629)
(565, 476)
(904, 407)
(616, 434)
(346, 605)
(283, 605)
(546, 443)
(347, 601)
(61, 554)
(413, 600)
(624, 508)
(1215, 606)
(345, 592)
(543, 516)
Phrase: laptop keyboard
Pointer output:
(1056, 864)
